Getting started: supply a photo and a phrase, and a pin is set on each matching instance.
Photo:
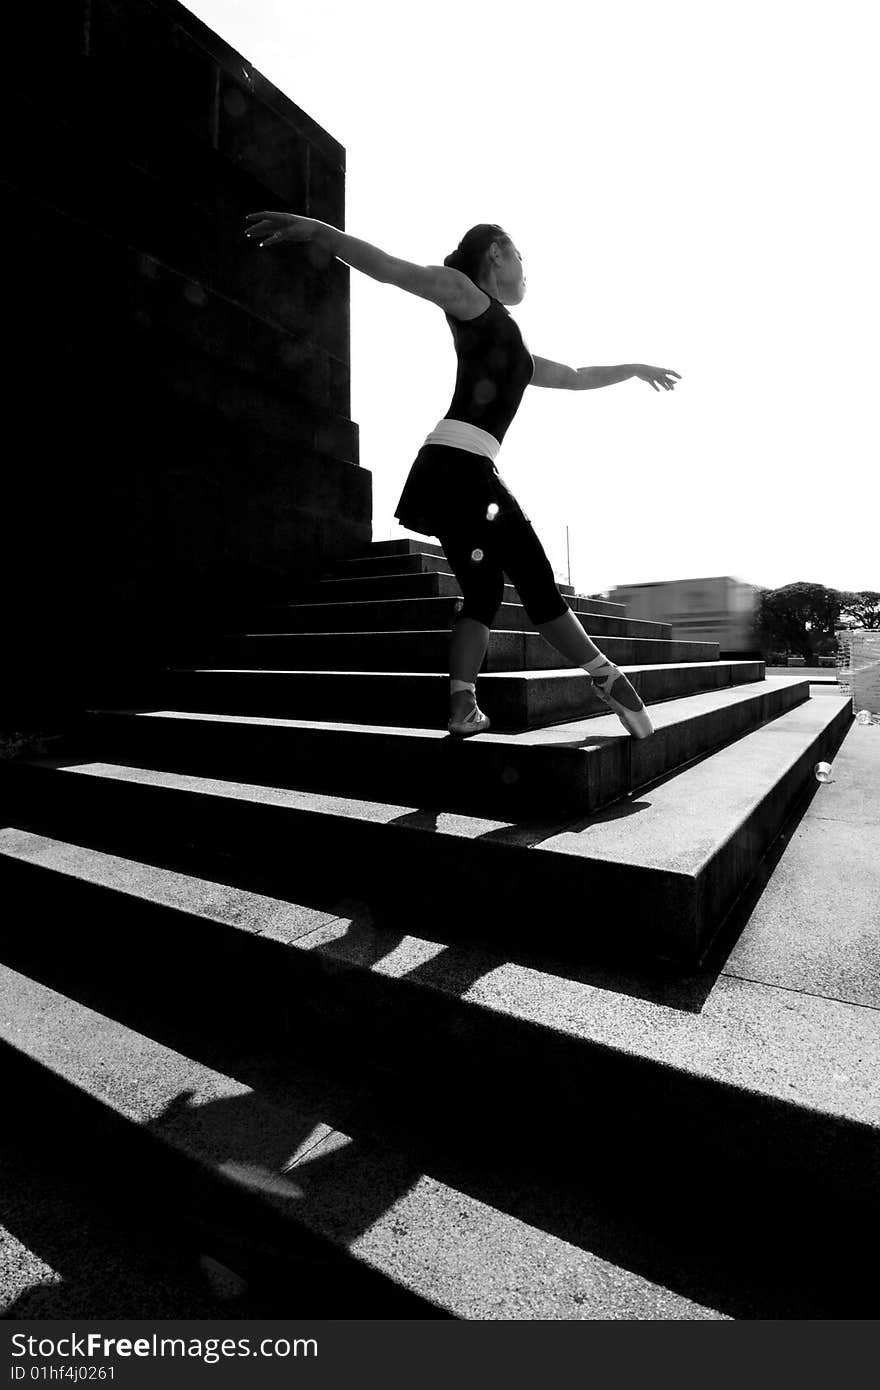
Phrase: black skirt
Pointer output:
(449, 489)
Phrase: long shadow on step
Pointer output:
(362, 1152)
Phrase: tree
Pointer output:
(863, 607)
(799, 617)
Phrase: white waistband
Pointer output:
(458, 434)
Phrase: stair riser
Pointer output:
(445, 1057)
(417, 614)
(224, 1217)
(473, 776)
(435, 563)
(400, 565)
(508, 651)
(638, 912)
(386, 587)
(506, 887)
(423, 562)
(733, 866)
(422, 701)
(404, 545)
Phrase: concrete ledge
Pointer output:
(418, 585)
(413, 562)
(659, 874)
(419, 650)
(403, 614)
(574, 768)
(266, 1172)
(512, 700)
(726, 1068)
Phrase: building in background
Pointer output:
(716, 608)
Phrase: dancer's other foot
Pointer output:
(466, 718)
(613, 687)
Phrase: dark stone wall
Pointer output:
(177, 402)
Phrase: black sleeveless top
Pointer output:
(447, 489)
(494, 369)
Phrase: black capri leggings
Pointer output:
(482, 554)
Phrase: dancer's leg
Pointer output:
(467, 649)
(529, 569)
(469, 553)
(568, 637)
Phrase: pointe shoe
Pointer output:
(632, 714)
(475, 722)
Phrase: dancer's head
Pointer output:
(488, 256)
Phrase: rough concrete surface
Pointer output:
(816, 928)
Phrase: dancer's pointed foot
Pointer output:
(613, 687)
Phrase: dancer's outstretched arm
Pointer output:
(449, 288)
(549, 373)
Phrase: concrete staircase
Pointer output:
(420, 1027)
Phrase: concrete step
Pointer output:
(404, 545)
(422, 650)
(395, 565)
(413, 557)
(513, 700)
(645, 879)
(577, 767)
(392, 586)
(408, 547)
(715, 1063)
(414, 563)
(268, 1177)
(411, 614)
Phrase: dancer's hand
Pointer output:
(270, 228)
(654, 374)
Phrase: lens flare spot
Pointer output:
(491, 511)
(484, 391)
(476, 556)
(194, 294)
(509, 775)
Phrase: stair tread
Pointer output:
(396, 574)
(566, 737)
(747, 1034)
(393, 634)
(566, 673)
(370, 1198)
(387, 613)
(677, 827)
(427, 600)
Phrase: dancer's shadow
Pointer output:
(65, 1253)
(274, 1171)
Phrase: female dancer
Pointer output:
(454, 490)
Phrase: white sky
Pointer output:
(691, 185)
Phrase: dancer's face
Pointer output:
(508, 266)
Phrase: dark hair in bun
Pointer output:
(468, 254)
